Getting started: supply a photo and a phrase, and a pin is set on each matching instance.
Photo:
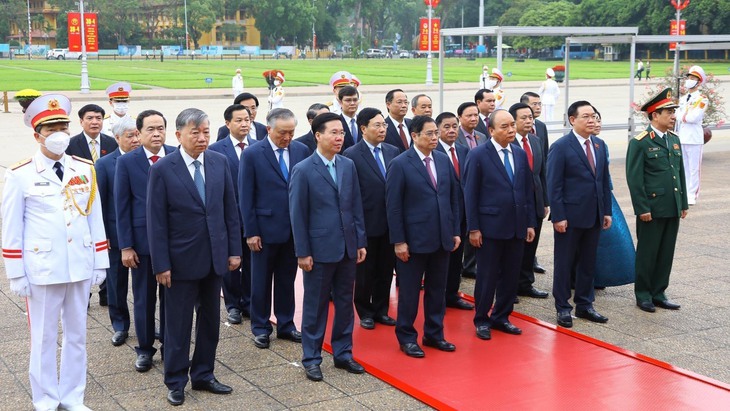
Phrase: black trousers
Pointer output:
(374, 277)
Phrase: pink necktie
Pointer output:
(589, 154)
(430, 173)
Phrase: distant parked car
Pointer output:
(58, 54)
(375, 54)
(404, 54)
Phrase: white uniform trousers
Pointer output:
(45, 305)
(692, 158)
(547, 112)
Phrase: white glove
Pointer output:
(20, 286)
(98, 276)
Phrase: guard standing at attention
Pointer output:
(656, 180)
(119, 100)
(55, 248)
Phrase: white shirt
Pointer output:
(235, 143)
(372, 150)
(189, 163)
(252, 131)
(285, 153)
(501, 154)
(582, 142)
(149, 154)
(432, 164)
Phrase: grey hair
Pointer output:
(188, 116)
(124, 125)
(279, 114)
(414, 100)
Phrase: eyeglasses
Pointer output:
(430, 134)
(379, 125)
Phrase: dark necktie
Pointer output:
(59, 170)
(589, 154)
(198, 180)
(455, 161)
(154, 159)
(526, 147)
(353, 130)
(376, 150)
(508, 165)
(242, 146)
(403, 138)
(282, 164)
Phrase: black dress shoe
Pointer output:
(517, 300)
(385, 320)
(212, 386)
(507, 327)
(483, 333)
(534, 293)
(350, 366)
(261, 341)
(119, 338)
(103, 299)
(143, 363)
(646, 306)
(467, 274)
(667, 305)
(538, 268)
(313, 372)
(460, 304)
(175, 397)
(591, 314)
(234, 316)
(442, 345)
(565, 319)
(293, 336)
(367, 323)
(412, 350)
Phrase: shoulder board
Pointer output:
(83, 160)
(21, 163)
(330, 103)
(642, 135)
(106, 116)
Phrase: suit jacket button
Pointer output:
(675, 188)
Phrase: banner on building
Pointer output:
(673, 31)
(434, 31)
(91, 31)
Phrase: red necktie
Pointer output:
(241, 145)
(589, 154)
(526, 147)
(455, 161)
(154, 159)
(403, 136)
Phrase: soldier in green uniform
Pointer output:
(655, 176)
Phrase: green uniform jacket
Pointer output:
(655, 175)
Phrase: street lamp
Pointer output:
(30, 35)
(85, 86)
(187, 43)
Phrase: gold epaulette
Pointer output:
(330, 103)
(642, 135)
(83, 160)
(21, 163)
(106, 116)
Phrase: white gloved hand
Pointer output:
(98, 276)
(20, 286)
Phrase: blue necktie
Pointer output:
(508, 165)
(377, 160)
(331, 169)
(353, 130)
(282, 164)
(198, 180)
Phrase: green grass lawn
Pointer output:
(186, 74)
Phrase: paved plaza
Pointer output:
(695, 338)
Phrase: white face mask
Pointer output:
(120, 108)
(277, 83)
(491, 83)
(690, 83)
(57, 142)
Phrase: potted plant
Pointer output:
(26, 96)
(559, 72)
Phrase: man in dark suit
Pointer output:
(398, 133)
(130, 200)
(500, 217)
(540, 130)
(91, 144)
(580, 198)
(374, 276)
(127, 136)
(349, 99)
(530, 143)
(422, 202)
(486, 104)
(237, 283)
(257, 130)
(263, 183)
(329, 236)
(195, 239)
(448, 127)
(308, 139)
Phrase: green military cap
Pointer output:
(661, 100)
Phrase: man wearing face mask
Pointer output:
(55, 248)
(690, 115)
(276, 95)
(492, 82)
(119, 100)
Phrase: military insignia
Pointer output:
(595, 145)
(675, 146)
(702, 105)
(343, 76)
(21, 163)
(642, 135)
(41, 184)
(669, 94)
(120, 88)
(103, 152)
(652, 149)
(53, 104)
(652, 135)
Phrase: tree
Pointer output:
(282, 19)
(202, 16)
(558, 13)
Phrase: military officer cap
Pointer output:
(550, 72)
(119, 91)
(698, 72)
(341, 78)
(497, 74)
(661, 100)
(355, 81)
(48, 109)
